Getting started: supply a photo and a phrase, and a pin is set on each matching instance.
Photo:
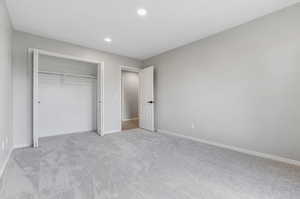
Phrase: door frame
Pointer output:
(130, 69)
(34, 53)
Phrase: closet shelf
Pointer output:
(68, 74)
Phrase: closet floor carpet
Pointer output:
(142, 165)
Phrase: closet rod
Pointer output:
(67, 74)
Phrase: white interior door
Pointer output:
(35, 98)
(146, 113)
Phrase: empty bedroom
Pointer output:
(141, 99)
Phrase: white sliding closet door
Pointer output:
(35, 100)
(99, 99)
(67, 105)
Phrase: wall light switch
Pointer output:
(193, 125)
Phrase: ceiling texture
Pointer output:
(168, 24)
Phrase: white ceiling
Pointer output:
(169, 23)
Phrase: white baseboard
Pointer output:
(5, 162)
(68, 133)
(130, 119)
(22, 146)
(233, 148)
(113, 131)
(54, 135)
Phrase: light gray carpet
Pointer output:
(142, 165)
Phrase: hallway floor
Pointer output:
(130, 124)
(142, 165)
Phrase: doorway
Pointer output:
(129, 98)
(137, 98)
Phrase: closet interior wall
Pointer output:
(67, 92)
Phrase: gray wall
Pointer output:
(22, 91)
(130, 95)
(240, 87)
(5, 86)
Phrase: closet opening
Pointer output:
(67, 95)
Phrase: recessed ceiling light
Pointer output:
(142, 12)
(107, 39)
